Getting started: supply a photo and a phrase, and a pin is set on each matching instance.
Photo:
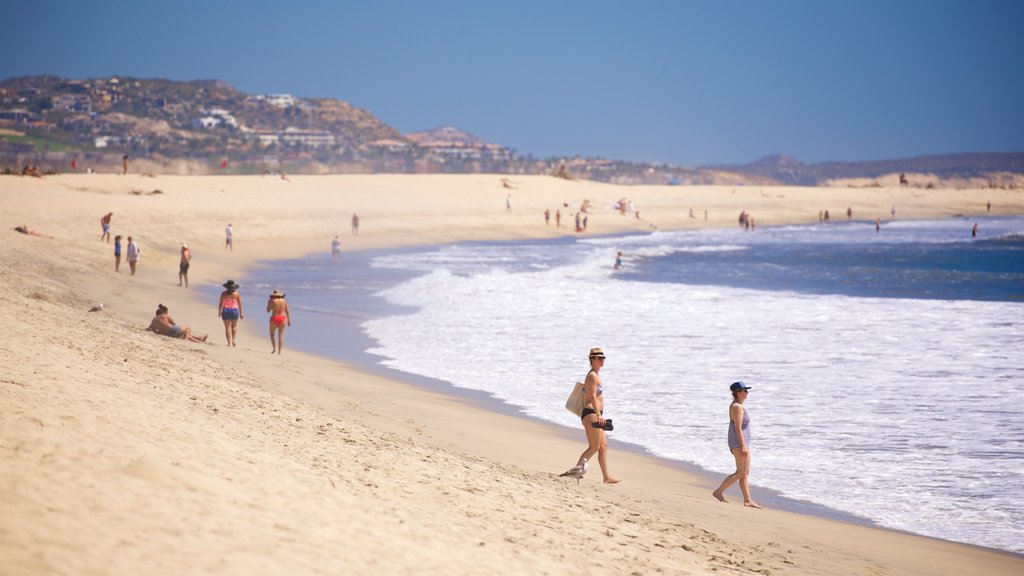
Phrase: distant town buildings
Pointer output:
(279, 100)
(72, 103)
(295, 137)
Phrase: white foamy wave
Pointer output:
(895, 410)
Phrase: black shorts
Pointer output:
(588, 412)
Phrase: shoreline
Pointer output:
(363, 361)
(169, 438)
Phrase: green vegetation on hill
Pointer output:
(208, 123)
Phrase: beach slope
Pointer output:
(122, 451)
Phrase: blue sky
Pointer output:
(688, 82)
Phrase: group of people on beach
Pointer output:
(229, 307)
(229, 310)
(595, 425)
(131, 250)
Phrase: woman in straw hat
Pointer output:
(230, 310)
(594, 422)
(279, 315)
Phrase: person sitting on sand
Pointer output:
(163, 324)
(279, 315)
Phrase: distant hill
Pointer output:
(787, 170)
(208, 126)
(447, 135)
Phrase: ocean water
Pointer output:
(886, 368)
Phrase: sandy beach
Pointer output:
(125, 452)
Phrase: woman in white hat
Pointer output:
(279, 315)
(739, 445)
(594, 422)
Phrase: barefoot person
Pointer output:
(739, 445)
(105, 224)
(186, 260)
(594, 423)
(279, 316)
(132, 254)
(163, 324)
(117, 253)
(230, 310)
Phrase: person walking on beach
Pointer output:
(186, 259)
(279, 315)
(547, 217)
(105, 224)
(355, 224)
(558, 218)
(132, 254)
(594, 422)
(229, 238)
(117, 253)
(124, 164)
(230, 310)
(739, 445)
(335, 248)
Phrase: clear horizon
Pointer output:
(686, 83)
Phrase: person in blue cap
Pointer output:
(739, 445)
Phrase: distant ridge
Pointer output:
(787, 170)
(209, 127)
(448, 135)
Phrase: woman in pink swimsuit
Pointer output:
(279, 316)
(230, 310)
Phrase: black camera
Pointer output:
(607, 425)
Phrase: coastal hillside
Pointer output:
(209, 127)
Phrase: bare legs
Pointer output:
(131, 264)
(186, 334)
(596, 443)
(276, 347)
(741, 474)
(230, 331)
